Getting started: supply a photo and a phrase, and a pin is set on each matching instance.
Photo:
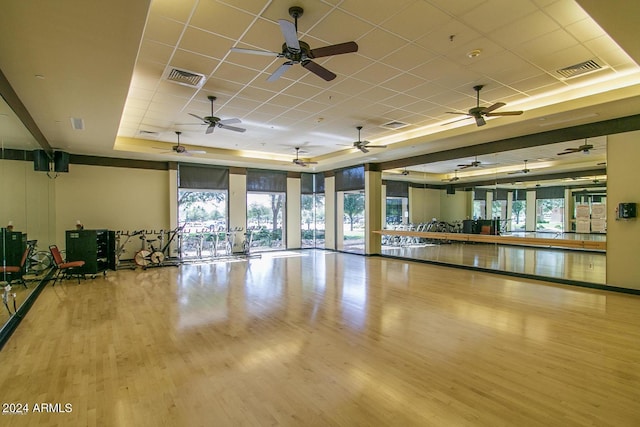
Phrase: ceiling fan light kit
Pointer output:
(296, 51)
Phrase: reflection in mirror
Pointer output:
(537, 211)
(24, 215)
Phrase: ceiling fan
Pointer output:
(523, 170)
(479, 113)
(181, 149)
(299, 52)
(585, 148)
(298, 161)
(212, 121)
(364, 145)
(454, 178)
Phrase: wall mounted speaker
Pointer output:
(40, 161)
(60, 161)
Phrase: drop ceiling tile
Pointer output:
(175, 90)
(374, 11)
(379, 43)
(147, 75)
(255, 62)
(170, 8)
(235, 73)
(155, 52)
(163, 30)
(286, 101)
(351, 86)
(524, 29)
(205, 43)
(434, 69)
(314, 11)
(450, 35)
(457, 8)
(250, 6)
(416, 20)
(609, 52)
(399, 100)
(537, 49)
(347, 64)
(427, 90)
(403, 82)
(566, 12)
(219, 86)
(585, 30)
(377, 73)
(494, 14)
(339, 27)
(220, 19)
(262, 35)
(409, 56)
(505, 67)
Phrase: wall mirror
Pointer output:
(555, 193)
(25, 207)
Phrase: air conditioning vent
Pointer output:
(395, 125)
(579, 69)
(184, 77)
(148, 133)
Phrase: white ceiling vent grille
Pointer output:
(579, 69)
(184, 77)
(395, 125)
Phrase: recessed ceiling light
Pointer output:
(474, 53)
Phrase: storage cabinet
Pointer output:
(94, 247)
(12, 246)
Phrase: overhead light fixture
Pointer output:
(77, 123)
(474, 53)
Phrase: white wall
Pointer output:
(27, 201)
(293, 213)
(330, 209)
(424, 204)
(623, 236)
(113, 198)
(453, 207)
(237, 206)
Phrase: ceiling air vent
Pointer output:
(184, 77)
(148, 133)
(579, 69)
(395, 125)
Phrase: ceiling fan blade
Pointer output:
(335, 49)
(233, 128)
(289, 32)
(198, 117)
(455, 121)
(376, 146)
(254, 52)
(229, 121)
(197, 152)
(493, 107)
(465, 166)
(480, 121)
(504, 113)
(319, 70)
(363, 149)
(280, 71)
(210, 129)
(455, 112)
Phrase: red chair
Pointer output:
(65, 268)
(15, 272)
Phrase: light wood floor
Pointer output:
(317, 338)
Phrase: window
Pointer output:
(312, 211)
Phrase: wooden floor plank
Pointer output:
(317, 338)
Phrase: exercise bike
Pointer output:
(148, 255)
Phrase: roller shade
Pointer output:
(202, 177)
(312, 183)
(267, 181)
(550, 193)
(350, 179)
(397, 188)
